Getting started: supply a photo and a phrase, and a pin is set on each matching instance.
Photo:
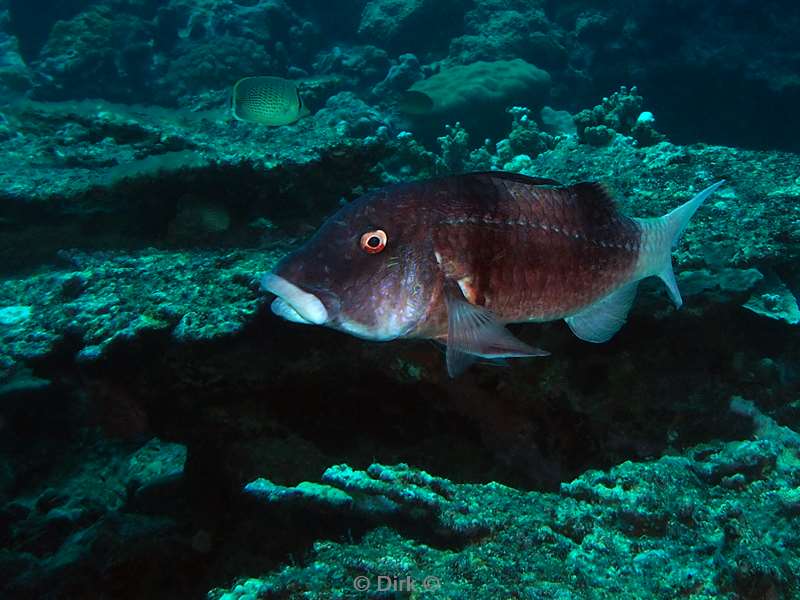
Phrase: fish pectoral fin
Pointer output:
(599, 322)
(474, 332)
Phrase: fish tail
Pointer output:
(661, 235)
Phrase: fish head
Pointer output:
(368, 271)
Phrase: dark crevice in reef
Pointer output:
(213, 207)
(247, 407)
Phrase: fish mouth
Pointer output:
(292, 303)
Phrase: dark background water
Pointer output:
(720, 72)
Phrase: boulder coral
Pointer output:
(485, 83)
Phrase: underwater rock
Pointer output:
(455, 147)
(409, 159)
(497, 29)
(99, 53)
(103, 321)
(358, 64)
(303, 161)
(394, 23)
(597, 135)
(15, 76)
(306, 494)
(108, 330)
(773, 299)
(400, 77)
(111, 148)
(382, 19)
(663, 518)
(77, 523)
(380, 494)
(169, 54)
(719, 285)
(557, 122)
(20, 384)
(14, 315)
(205, 42)
(349, 116)
(154, 461)
(764, 426)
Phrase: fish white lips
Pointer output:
(293, 304)
(285, 311)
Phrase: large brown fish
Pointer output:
(456, 258)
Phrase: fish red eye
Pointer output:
(373, 242)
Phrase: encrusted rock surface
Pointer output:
(712, 523)
(163, 434)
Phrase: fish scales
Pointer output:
(532, 253)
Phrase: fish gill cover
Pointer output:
(475, 180)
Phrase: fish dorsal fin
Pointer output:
(518, 177)
(594, 194)
(474, 332)
(599, 322)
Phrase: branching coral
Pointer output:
(619, 113)
(525, 137)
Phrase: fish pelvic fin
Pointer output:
(474, 332)
(661, 235)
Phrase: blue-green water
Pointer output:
(164, 433)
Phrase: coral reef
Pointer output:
(500, 29)
(382, 495)
(175, 340)
(619, 113)
(714, 64)
(164, 435)
(401, 76)
(99, 516)
(707, 68)
(99, 53)
(524, 139)
(14, 74)
(693, 524)
(482, 84)
(395, 23)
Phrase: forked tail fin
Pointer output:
(661, 235)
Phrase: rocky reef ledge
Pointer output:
(131, 242)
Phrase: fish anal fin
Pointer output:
(599, 322)
(474, 332)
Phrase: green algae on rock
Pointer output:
(692, 524)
